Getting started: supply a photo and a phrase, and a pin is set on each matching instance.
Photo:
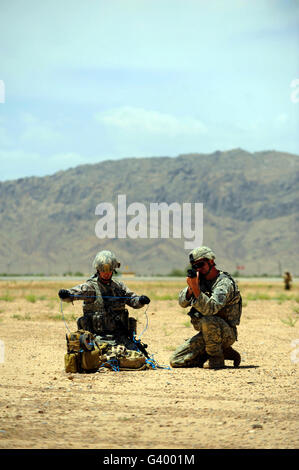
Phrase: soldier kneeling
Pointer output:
(104, 302)
(216, 310)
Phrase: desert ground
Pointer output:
(254, 406)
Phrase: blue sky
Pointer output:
(83, 82)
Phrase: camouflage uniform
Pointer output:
(215, 315)
(104, 312)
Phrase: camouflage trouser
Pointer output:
(214, 336)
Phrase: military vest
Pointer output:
(107, 313)
(232, 311)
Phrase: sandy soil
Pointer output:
(251, 407)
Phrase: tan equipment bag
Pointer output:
(84, 354)
(121, 358)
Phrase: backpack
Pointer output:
(83, 353)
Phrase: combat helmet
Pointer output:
(200, 253)
(105, 261)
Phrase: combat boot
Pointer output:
(216, 362)
(233, 355)
(200, 360)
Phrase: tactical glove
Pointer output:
(64, 294)
(192, 281)
(143, 299)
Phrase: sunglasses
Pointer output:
(200, 264)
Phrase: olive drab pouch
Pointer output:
(83, 353)
(90, 360)
(71, 362)
(80, 340)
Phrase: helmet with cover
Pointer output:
(202, 252)
(105, 261)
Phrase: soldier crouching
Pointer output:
(216, 310)
(104, 302)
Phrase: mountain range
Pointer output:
(250, 213)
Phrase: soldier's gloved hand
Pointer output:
(192, 282)
(143, 299)
(64, 294)
(192, 273)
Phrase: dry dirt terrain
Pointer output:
(251, 407)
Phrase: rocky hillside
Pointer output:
(250, 213)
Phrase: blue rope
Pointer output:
(155, 365)
(151, 362)
(115, 297)
(113, 363)
(104, 297)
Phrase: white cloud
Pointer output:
(140, 120)
(38, 132)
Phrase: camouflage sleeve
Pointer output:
(133, 299)
(83, 292)
(221, 295)
(183, 301)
